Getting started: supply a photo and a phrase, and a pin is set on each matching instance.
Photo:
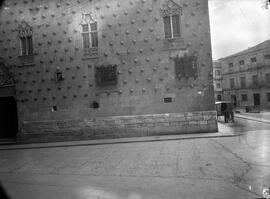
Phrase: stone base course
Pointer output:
(118, 126)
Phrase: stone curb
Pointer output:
(252, 119)
(114, 141)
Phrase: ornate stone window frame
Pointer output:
(25, 34)
(88, 18)
(6, 77)
(170, 9)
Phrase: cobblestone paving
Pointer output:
(232, 167)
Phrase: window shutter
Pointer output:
(167, 27)
(176, 26)
(30, 45)
(94, 39)
(85, 40)
(93, 26)
(85, 28)
(23, 45)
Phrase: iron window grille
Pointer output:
(106, 75)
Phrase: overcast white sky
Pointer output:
(237, 25)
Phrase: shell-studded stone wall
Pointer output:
(130, 35)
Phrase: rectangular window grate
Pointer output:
(167, 100)
(106, 75)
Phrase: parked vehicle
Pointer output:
(225, 109)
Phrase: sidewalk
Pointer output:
(258, 117)
(224, 131)
(16, 146)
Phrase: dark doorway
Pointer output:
(257, 100)
(8, 118)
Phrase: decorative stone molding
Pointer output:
(171, 8)
(90, 53)
(6, 77)
(26, 61)
(24, 29)
(88, 17)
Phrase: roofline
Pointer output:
(243, 53)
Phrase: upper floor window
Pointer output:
(89, 34)
(253, 59)
(217, 73)
(241, 62)
(267, 78)
(267, 56)
(230, 64)
(171, 13)
(255, 80)
(232, 85)
(244, 97)
(243, 82)
(25, 36)
(89, 31)
(185, 66)
(172, 26)
(218, 85)
(26, 45)
(106, 75)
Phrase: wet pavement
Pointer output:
(221, 167)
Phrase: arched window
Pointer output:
(26, 43)
(171, 13)
(89, 31)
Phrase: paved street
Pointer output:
(222, 167)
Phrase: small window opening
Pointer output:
(167, 100)
(95, 105)
(58, 75)
(54, 108)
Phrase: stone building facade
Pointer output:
(103, 69)
(246, 77)
(217, 75)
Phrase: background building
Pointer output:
(246, 76)
(99, 68)
(217, 75)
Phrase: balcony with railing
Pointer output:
(254, 85)
(247, 67)
(218, 77)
